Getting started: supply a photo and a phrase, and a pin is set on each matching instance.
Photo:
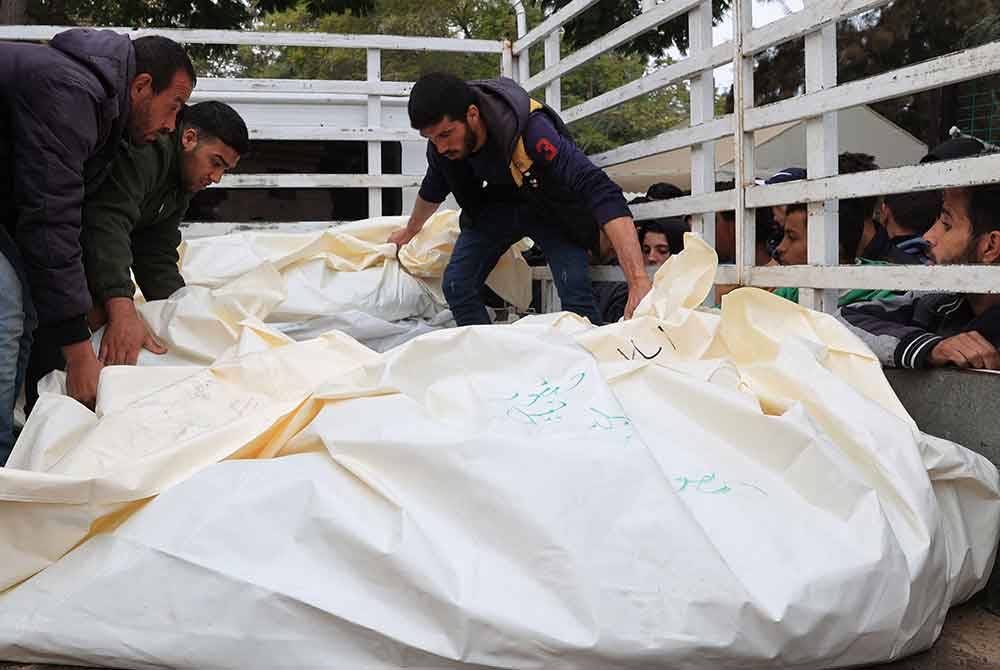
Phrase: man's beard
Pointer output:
(969, 255)
(470, 142)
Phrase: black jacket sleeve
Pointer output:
(898, 331)
(109, 218)
(54, 131)
(155, 258)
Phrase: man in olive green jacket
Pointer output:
(132, 223)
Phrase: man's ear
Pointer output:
(189, 139)
(991, 248)
(472, 114)
(142, 84)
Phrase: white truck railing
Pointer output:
(818, 105)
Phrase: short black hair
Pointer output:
(161, 58)
(849, 163)
(671, 227)
(437, 95)
(914, 211)
(984, 208)
(956, 147)
(213, 119)
(662, 190)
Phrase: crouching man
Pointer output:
(133, 222)
(516, 173)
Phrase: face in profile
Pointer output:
(453, 139)
(794, 247)
(152, 113)
(951, 240)
(204, 160)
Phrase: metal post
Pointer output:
(702, 110)
(374, 121)
(553, 92)
(743, 95)
(821, 161)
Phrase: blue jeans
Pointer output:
(481, 245)
(17, 323)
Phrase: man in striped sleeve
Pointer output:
(940, 329)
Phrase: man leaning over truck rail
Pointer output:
(516, 173)
(65, 110)
(941, 329)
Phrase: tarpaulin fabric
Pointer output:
(687, 489)
(348, 271)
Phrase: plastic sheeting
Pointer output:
(686, 489)
(347, 273)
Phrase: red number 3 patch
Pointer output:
(546, 148)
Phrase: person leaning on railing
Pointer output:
(934, 330)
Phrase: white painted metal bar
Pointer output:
(668, 141)
(270, 90)
(507, 61)
(374, 71)
(671, 74)
(324, 132)
(706, 202)
(298, 99)
(952, 278)
(822, 140)
(556, 20)
(928, 177)
(951, 69)
(278, 38)
(553, 92)
(810, 18)
(623, 33)
(191, 230)
(725, 275)
(743, 99)
(261, 180)
(702, 110)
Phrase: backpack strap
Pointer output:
(520, 162)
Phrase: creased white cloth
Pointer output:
(685, 489)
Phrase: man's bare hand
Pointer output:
(966, 350)
(401, 237)
(637, 290)
(83, 371)
(125, 335)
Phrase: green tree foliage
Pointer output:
(902, 33)
(607, 15)
(479, 19)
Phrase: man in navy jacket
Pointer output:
(515, 171)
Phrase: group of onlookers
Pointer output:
(906, 329)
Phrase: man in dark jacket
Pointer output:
(933, 330)
(516, 173)
(133, 221)
(65, 110)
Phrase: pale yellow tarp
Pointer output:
(687, 489)
(288, 277)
